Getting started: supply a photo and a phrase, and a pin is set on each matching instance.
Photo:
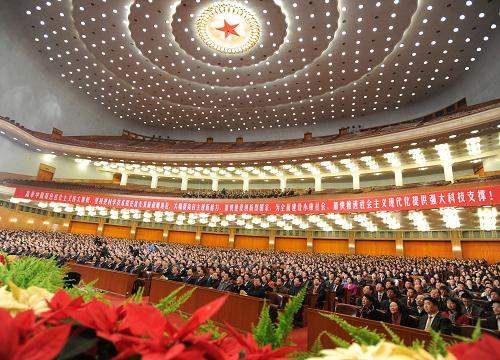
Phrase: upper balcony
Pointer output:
(479, 119)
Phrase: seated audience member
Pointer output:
(338, 289)
(296, 286)
(318, 291)
(255, 290)
(455, 314)
(279, 287)
(471, 309)
(493, 322)
(367, 290)
(410, 300)
(225, 284)
(239, 286)
(368, 310)
(391, 297)
(174, 274)
(380, 294)
(190, 278)
(433, 319)
(397, 315)
(351, 288)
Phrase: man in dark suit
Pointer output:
(338, 289)
(225, 284)
(380, 294)
(175, 275)
(256, 290)
(470, 308)
(493, 322)
(201, 280)
(433, 319)
(190, 279)
(239, 286)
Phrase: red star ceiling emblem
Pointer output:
(228, 29)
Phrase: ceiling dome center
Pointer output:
(228, 28)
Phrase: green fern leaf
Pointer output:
(437, 346)
(361, 335)
(393, 336)
(285, 319)
(172, 302)
(264, 331)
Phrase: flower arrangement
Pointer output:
(38, 323)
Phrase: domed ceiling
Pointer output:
(259, 64)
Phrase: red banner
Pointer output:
(471, 196)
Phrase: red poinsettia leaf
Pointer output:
(143, 320)
(247, 340)
(488, 347)
(45, 345)
(200, 316)
(97, 315)
(24, 322)
(172, 353)
(9, 335)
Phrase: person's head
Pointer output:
(257, 282)
(367, 301)
(239, 280)
(391, 294)
(496, 308)
(316, 282)
(411, 293)
(190, 272)
(379, 287)
(434, 293)
(394, 308)
(367, 289)
(453, 304)
(420, 300)
(431, 305)
(466, 299)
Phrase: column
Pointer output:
(124, 179)
(282, 183)
(355, 180)
(133, 230)
(317, 183)
(232, 232)
(448, 172)
(166, 228)
(398, 176)
(197, 237)
(184, 183)
(309, 241)
(272, 238)
(351, 245)
(456, 245)
(67, 221)
(399, 243)
(246, 184)
(215, 184)
(100, 227)
(154, 181)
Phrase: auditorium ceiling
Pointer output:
(248, 65)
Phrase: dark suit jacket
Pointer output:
(372, 314)
(201, 281)
(176, 277)
(259, 292)
(491, 323)
(190, 280)
(405, 319)
(440, 324)
(238, 288)
(339, 291)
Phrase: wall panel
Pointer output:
(215, 240)
(376, 247)
(182, 237)
(488, 250)
(146, 234)
(116, 231)
(331, 246)
(78, 227)
(251, 242)
(427, 248)
(290, 244)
